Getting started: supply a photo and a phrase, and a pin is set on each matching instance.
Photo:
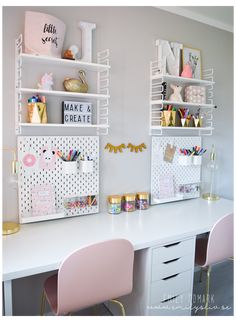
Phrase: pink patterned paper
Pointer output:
(43, 200)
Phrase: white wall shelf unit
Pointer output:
(164, 102)
(158, 101)
(158, 130)
(66, 62)
(100, 96)
(61, 93)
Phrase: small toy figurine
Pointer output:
(187, 71)
(176, 96)
(68, 54)
(72, 53)
(76, 85)
(46, 82)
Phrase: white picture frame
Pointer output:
(193, 57)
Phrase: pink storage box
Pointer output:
(44, 34)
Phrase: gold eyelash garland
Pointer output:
(113, 148)
(136, 148)
(119, 148)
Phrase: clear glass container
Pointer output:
(129, 202)
(142, 200)
(114, 204)
(212, 167)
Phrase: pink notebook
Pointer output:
(43, 200)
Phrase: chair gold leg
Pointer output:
(207, 290)
(121, 306)
(200, 277)
(203, 269)
(43, 298)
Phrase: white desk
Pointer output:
(41, 247)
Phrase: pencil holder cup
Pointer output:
(69, 167)
(167, 115)
(185, 160)
(183, 121)
(197, 159)
(187, 122)
(163, 121)
(86, 166)
(173, 118)
(197, 122)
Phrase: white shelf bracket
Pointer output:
(18, 75)
(103, 88)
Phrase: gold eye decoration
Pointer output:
(136, 148)
(115, 148)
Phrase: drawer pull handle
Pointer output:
(172, 276)
(170, 245)
(172, 298)
(172, 260)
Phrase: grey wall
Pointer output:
(130, 34)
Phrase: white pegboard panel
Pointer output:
(182, 175)
(65, 185)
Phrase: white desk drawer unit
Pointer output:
(171, 267)
(163, 280)
(170, 251)
(172, 259)
(171, 276)
(170, 286)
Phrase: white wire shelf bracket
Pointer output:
(103, 83)
(18, 76)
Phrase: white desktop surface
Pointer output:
(41, 247)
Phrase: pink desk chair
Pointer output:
(217, 248)
(91, 275)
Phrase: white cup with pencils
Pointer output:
(69, 167)
(69, 162)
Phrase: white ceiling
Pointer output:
(217, 16)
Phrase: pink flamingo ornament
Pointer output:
(187, 71)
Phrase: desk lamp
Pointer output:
(10, 227)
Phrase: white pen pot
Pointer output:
(86, 166)
(185, 160)
(69, 167)
(197, 159)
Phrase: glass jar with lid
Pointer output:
(142, 200)
(129, 202)
(114, 204)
